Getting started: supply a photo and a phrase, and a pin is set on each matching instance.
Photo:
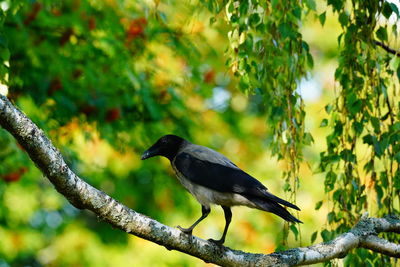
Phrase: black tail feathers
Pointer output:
(270, 196)
(275, 208)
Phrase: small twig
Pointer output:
(387, 48)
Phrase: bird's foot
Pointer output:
(217, 242)
(185, 230)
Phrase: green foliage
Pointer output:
(268, 54)
(4, 51)
(364, 140)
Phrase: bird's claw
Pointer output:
(185, 230)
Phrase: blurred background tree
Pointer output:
(298, 94)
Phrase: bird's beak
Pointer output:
(151, 152)
(145, 155)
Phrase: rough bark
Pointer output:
(82, 195)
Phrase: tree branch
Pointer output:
(84, 196)
(387, 48)
(381, 245)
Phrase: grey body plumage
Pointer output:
(213, 179)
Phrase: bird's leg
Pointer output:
(228, 218)
(204, 213)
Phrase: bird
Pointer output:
(213, 179)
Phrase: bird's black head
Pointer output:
(167, 146)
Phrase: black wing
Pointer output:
(216, 176)
(221, 175)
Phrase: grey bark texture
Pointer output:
(83, 196)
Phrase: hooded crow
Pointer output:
(213, 179)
